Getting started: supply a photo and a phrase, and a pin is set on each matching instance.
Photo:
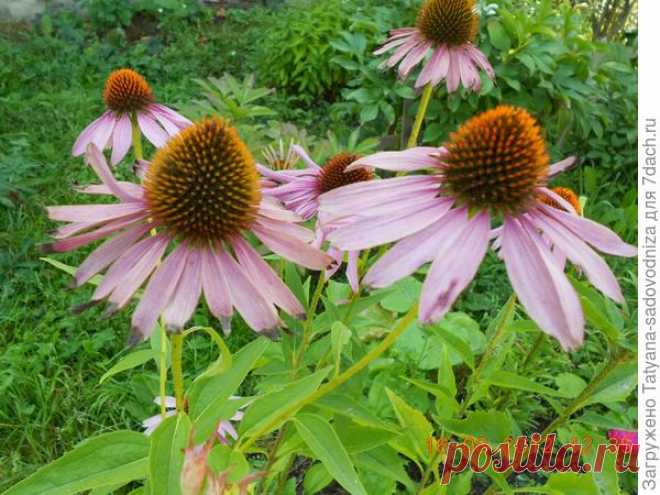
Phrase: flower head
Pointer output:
(200, 198)
(299, 190)
(494, 168)
(129, 100)
(448, 28)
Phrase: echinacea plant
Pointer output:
(130, 109)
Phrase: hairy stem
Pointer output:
(177, 369)
(137, 138)
(289, 411)
(309, 319)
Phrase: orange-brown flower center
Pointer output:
(496, 160)
(565, 193)
(334, 175)
(452, 22)
(126, 91)
(203, 185)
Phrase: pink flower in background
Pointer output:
(448, 28)
(300, 189)
(224, 430)
(494, 168)
(628, 439)
(200, 197)
(127, 95)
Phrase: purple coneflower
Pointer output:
(495, 167)
(224, 430)
(300, 190)
(201, 196)
(128, 98)
(448, 28)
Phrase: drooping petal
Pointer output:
(370, 232)
(120, 269)
(579, 253)
(158, 293)
(480, 59)
(249, 302)
(300, 151)
(85, 137)
(599, 236)
(399, 161)
(352, 270)
(216, 289)
(288, 228)
(402, 51)
(121, 139)
(455, 265)
(414, 57)
(267, 282)
(541, 286)
(152, 131)
(186, 295)
(135, 191)
(407, 255)
(108, 252)
(453, 72)
(390, 44)
(97, 161)
(170, 127)
(435, 69)
(469, 75)
(101, 135)
(173, 116)
(291, 248)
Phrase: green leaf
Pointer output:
(324, 443)
(498, 36)
(132, 360)
(404, 294)
(294, 282)
(384, 461)
(269, 405)
(506, 379)
(340, 336)
(494, 426)
(222, 457)
(573, 483)
(112, 458)
(618, 385)
(208, 396)
(167, 453)
(570, 385)
(416, 428)
(224, 359)
(316, 479)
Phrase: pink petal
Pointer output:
(352, 270)
(97, 161)
(139, 273)
(170, 127)
(216, 289)
(594, 233)
(557, 199)
(400, 161)
(140, 168)
(85, 137)
(453, 73)
(94, 212)
(469, 75)
(102, 133)
(175, 117)
(435, 69)
(293, 229)
(300, 151)
(579, 253)
(158, 293)
(407, 255)
(135, 191)
(371, 232)
(272, 209)
(108, 252)
(291, 248)
(186, 296)
(152, 130)
(542, 287)
(121, 139)
(480, 59)
(268, 283)
(254, 309)
(562, 166)
(402, 51)
(390, 44)
(120, 269)
(414, 57)
(455, 265)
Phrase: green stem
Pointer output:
(307, 327)
(177, 369)
(532, 351)
(137, 138)
(163, 369)
(421, 113)
(505, 318)
(340, 379)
